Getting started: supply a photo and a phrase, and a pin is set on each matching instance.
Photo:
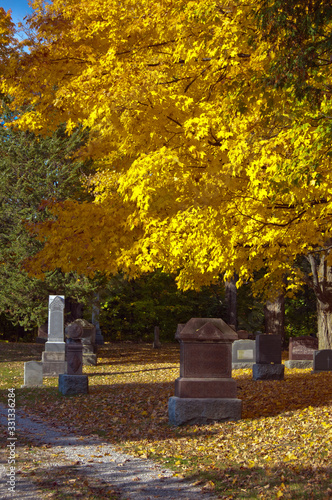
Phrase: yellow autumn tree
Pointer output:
(205, 165)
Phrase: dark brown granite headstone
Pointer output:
(206, 360)
(302, 347)
(268, 349)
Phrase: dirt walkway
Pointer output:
(51, 463)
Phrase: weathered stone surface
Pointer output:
(242, 334)
(73, 384)
(56, 306)
(205, 388)
(156, 341)
(268, 371)
(49, 356)
(268, 349)
(74, 354)
(299, 363)
(205, 329)
(302, 347)
(205, 360)
(55, 347)
(179, 329)
(244, 351)
(322, 360)
(54, 368)
(200, 411)
(33, 374)
(241, 366)
(89, 359)
(74, 331)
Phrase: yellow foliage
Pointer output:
(204, 167)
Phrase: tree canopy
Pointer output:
(213, 155)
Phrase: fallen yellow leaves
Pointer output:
(282, 447)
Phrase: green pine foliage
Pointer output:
(35, 170)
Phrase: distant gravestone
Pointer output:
(322, 361)
(268, 349)
(242, 334)
(156, 341)
(53, 357)
(179, 329)
(302, 347)
(33, 374)
(88, 342)
(301, 352)
(243, 354)
(268, 364)
(205, 391)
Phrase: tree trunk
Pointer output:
(322, 285)
(231, 302)
(274, 317)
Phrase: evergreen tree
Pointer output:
(34, 172)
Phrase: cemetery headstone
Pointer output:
(179, 328)
(322, 361)
(243, 354)
(99, 339)
(74, 349)
(53, 357)
(242, 334)
(156, 341)
(33, 374)
(74, 382)
(205, 391)
(268, 364)
(301, 352)
(89, 342)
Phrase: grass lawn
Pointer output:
(282, 447)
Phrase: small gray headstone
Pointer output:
(33, 374)
(322, 360)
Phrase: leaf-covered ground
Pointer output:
(282, 447)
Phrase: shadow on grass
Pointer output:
(17, 351)
(102, 374)
(288, 481)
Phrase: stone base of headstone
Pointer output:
(268, 371)
(53, 363)
(299, 363)
(89, 359)
(214, 388)
(198, 411)
(33, 374)
(73, 384)
(240, 366)
(55, 346)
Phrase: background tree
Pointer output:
(34, 171)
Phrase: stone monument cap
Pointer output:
(208, 330)
(74, 331)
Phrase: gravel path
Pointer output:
(131, 478)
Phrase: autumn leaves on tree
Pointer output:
(210, 125)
